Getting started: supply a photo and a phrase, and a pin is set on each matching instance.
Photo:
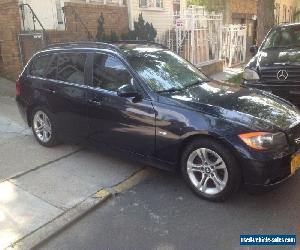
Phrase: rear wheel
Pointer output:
(44, 127)
(210, 169)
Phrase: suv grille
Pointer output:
(269, 75)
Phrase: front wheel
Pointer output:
(210, 169)
(44, 127)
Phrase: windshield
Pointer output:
(164, 70)
(283, 37)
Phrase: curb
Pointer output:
(63, 221)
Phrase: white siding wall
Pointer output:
(162, 19)
(45, 11)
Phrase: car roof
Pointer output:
(287, 25)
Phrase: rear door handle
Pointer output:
(51, 91)
(95, 102)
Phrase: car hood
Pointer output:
(274, 57)
(254, 109)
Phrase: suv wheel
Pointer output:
(210, 169)
(43, 127)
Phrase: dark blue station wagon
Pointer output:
(142, 98)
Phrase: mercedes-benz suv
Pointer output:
(276, 64)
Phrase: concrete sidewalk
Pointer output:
(7, 88)
(41, 185)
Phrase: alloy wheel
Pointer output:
(207, 171)
(42, 126)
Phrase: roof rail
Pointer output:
(82, 43)
(140, 42)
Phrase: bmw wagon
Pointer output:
(142, 98)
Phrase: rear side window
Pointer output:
(70, 67)
(39, 66)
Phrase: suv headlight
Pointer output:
(250, 74)
(264, 140)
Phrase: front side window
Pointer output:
(164, 70)
(70, 67)
(109, 73)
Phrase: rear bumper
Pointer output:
(22, 109)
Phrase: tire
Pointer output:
(44, 127)
(212, 164)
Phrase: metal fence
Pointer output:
(234, 44)
(201, 37)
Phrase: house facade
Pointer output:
(158, 12)
(28, 25)
(51, 14)
(285, 11)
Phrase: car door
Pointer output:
(62, 89)
(126, 123)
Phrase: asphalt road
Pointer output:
(162, 213)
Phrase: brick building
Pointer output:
(9, 29)
(20, 37)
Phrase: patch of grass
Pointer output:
(237, 79)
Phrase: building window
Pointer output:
(151, 4)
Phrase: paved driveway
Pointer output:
(38, 184)
(162, 213)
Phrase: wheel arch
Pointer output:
(211, 136)
(30, 110)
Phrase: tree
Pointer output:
(296, 15)
(265, 18)
(100, 32)
(101, 35)
(142, 31)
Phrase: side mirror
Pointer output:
(127, 90)
(253, 49)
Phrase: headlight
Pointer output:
(264, 140)
(250, 74)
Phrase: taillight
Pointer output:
(18, 88)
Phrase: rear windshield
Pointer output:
(283, 37)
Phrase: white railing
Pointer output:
(201, 37)
(234, 44)
(195, 34)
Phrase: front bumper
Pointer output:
(266, 173)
